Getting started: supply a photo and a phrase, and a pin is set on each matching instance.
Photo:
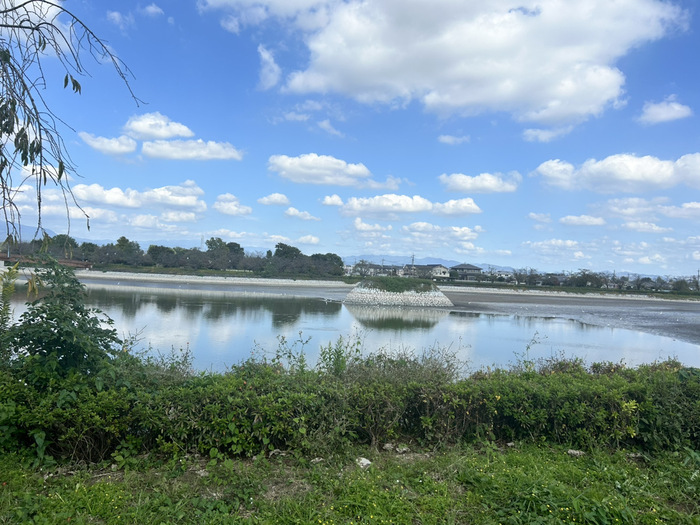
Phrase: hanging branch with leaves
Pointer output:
(32, 150)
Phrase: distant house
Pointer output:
(465, 272)
(427, 271)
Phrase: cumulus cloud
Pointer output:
(185, 195)
(361, 226)
(484, 183)
(270, 72)
(303, 215)
(178, 216)
(687, 210)
(392, 205)
(666, 111)
(231, 205)
(117, 146)
(308, 239)
(554, 64)
(332, 200)
(274, 199)
(622, 173)
(645, 227)
(311, 168)
(190, 150)
(582, 220)
(155, 126)
(453, 140)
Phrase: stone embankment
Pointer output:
(370, 296)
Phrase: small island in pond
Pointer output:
(395, 291)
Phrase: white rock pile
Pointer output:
(371, 296)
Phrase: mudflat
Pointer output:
(678, 319)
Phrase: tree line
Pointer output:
(219, 255)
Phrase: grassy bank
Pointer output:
(483, 484)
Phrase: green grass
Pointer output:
(398, 284)
(482, 484)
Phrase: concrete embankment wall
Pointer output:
(368, 296)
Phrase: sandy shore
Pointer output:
(678, 319)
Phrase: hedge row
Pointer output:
(132, 407)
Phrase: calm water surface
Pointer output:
(223, 329)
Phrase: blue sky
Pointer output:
(554, 134)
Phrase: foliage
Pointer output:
(32, 147)
(398, 284)
(58, 335)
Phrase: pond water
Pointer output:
(222, 329)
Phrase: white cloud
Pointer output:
(553, 64)
(311, 168)
(308, 239)
(553, 246)
(116, 146)
(456, 207)
(185, 195)
(540, 217)
(634, 207)
(392, 205)
(293, 116)
(645, 227)
(230, 205)
(687, 210)
(696, 255)
(303, 215)
(546, 135)
(190, 150)
(155, 126)
(270, 72)
(178, 216)
(453, 140)
(231, 24)
(622, 173)
(652, 259)
(332, 200)
(582, 220)
(122, 21)
(274, 199)
(666, 111)
(484, 183)
(361, 226)
(326, 126)
(153, 10)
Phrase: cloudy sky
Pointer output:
(555, 134)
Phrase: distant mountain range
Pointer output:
(391, 260)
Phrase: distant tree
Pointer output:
(681, 285)
(32, 148)
(62, 245)
(89, 250)
(284, 251)
(162, 255)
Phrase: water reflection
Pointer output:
(396, 318)
(222, 328)
(211, 306)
